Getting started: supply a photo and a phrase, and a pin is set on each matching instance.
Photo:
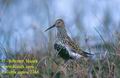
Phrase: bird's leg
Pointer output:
(90, 69)
(66, 63)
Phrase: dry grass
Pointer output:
(50, 67)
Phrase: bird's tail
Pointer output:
(86, 54)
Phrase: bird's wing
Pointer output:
(74, 47)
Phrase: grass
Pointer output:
(56, 68)
(50, 66)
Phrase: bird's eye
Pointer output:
(58, 22)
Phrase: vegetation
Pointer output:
(17, 43)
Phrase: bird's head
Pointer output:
(59, 24)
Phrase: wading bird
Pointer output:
(73, 48)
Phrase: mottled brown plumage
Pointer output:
(65, 39)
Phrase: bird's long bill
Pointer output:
(50, 28)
